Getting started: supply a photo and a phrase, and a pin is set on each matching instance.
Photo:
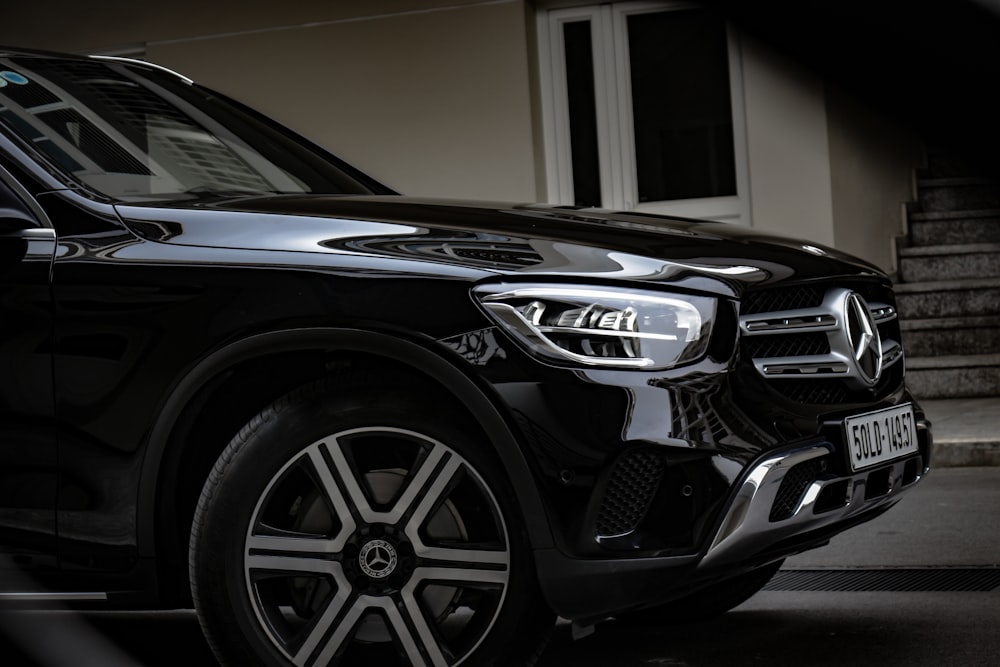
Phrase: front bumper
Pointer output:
(788, 495)
(787, 500)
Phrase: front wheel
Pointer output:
(363, 527)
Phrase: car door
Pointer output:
(28, 462)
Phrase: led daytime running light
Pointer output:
(604, 327)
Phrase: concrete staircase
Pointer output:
(948, 287)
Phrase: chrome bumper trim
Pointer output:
(747, 529)
(52, 597)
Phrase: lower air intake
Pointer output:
(631, 487)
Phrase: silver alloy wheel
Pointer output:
(396, 558)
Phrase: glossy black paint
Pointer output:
(139, 298)
(498, 238)
(142, 336)
(28, 459)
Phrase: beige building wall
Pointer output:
(872, 165)
(823, 167)
(432, 98)
(790, 188)
(102, 25)
(433, 103)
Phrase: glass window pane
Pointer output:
(681, 105)
(582, 113)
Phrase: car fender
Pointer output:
(404, 351)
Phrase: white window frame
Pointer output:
(615, 126)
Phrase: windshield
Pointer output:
(133, 132)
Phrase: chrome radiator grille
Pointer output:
(824, 345)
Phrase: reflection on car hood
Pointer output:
(520, 239)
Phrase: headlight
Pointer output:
(602, 326)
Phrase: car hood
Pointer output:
(488, 238)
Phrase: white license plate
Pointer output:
(877, 437)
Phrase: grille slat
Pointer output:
(814, 392)
(786, 299)
(788, 345)
(805, 355)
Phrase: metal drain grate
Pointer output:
(927, 579)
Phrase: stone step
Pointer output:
(943, 162)
(947, 165)
(949, 262)
(957, 194)
(966, 431)
(948, 298)
(954, 227)
(959, 376)
(945, 336)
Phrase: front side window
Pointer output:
(132, 132)
(643, 110)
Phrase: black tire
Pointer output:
(708, 602)
(362, 526)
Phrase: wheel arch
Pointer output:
(169, 449)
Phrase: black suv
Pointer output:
(355, 427)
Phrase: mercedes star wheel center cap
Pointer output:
(377, 559)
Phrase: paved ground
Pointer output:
(951, 519)
(966, 430)
(807, 630)
(949, 524)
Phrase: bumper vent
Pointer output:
(793, 486)
(631, 487)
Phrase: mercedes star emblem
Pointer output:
(377, 559)
(863, 338)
